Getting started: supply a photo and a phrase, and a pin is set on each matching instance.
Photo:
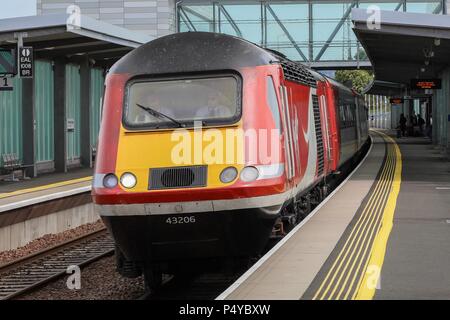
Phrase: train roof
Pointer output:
(179, 52)
(193, 52)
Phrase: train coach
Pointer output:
(210, 144)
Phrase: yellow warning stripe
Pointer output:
(368, 283)
(356, 246)
(369, 232)
(45, 187)
(355, 235)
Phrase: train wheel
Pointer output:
(152, 277)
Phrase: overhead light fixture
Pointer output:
(437, 42)
(423, 69)
(427, 62)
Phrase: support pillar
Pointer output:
(28, 125)
(377, 106)
(60, 125)
(85, 114)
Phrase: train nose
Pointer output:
(189, 236)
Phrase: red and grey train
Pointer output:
(178, 179)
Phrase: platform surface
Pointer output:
(288, 273)
(417, 261)
(25, 192)
(384, 234)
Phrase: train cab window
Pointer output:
(272, 101)
(181, 102)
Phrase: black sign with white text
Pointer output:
(26, 62)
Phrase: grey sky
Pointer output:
(17, 8)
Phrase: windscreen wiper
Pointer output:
(160, 115)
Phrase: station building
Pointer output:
(51, 121)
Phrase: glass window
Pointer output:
(196, 18)
(424, 6)
(180, 102)
(383, 5)
(342, 113)
(241, 20)
(295, 19)
(272, 101)
(326, 19)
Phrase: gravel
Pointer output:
(48, 241)
(99, 281)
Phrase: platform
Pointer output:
(47, 204)
(383, 234)
(16, 194)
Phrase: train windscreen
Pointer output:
(182, 102)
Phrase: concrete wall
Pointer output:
(153, 17)
(19, 234)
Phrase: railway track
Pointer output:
(25, 274)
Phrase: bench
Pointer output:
(11, 163)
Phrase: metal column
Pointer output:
(85, 114)
(377, 107)
(60, 115)
(28, 125)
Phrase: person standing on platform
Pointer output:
(420, 123)
(402, 123)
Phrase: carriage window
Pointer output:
(272, 101)
(179, 103)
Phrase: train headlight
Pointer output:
(249, 174)
(110, 180)
(228, 174)
(128, 180)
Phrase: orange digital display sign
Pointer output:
(396, 100)
(426, 83)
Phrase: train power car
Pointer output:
(208, 142)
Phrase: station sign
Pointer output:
(396, 100)
(26, 62)
(426, 83)
(7, 61)
(6, 84)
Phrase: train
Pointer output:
(210, 145)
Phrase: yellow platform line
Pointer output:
(44, 187)
(357, 231)
(368, 283)
(364, 240)
(369, 234)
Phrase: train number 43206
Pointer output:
(180, 220)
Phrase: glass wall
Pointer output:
(308, 30)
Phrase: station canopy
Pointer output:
(59, 35)
(403, 46)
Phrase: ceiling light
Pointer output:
(437, 42)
